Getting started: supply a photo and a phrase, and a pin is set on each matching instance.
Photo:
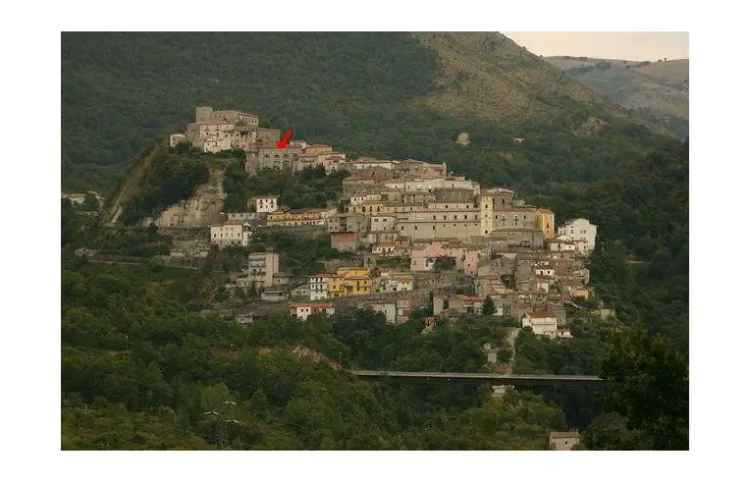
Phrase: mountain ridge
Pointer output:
(392, 95)
(657, 92)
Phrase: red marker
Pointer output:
(284, 141)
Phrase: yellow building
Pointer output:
(350, 281)
(545, 221)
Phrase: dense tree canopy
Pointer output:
(141, 370)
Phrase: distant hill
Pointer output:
(491, 77)
(395, 95)
(658, 91)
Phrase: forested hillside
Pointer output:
(365, 93)
(141, 371)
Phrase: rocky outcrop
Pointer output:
(202, 209)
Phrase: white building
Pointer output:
(388, 309)
(231, 234)
(541, 323)
(319, 286)
(267, 204)
(561, 245)
(303, 311)
(394, 282)
(580, 230)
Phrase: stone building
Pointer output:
(384, 222)
(278, 159)
(424, 256)
(215, 131)
(207, 114)
(456, 303)
(348, 222)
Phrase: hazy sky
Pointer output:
(611, 45)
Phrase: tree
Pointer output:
(648, 385)
(610, 432)
(488, 307)
(90, 203)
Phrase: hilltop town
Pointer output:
(410, 235)
(388, 243)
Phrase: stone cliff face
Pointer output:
(202, 209)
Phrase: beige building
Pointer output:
(215, 131)
(541, 323)
(266, 203)
(566, 440)
(210, 136)
(278, 159)
(231, 233)
(262, 266)
(310, 216)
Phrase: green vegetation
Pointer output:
(310, 188)
(299, 255)
(642, 217)
(141, 371)
(488, 307)
(356, 91)
(348, 88)
(81, 231)
(173, 177)
(650, 388)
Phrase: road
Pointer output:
(495, 379)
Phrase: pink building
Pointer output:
(423, 256)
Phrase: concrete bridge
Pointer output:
(480, 377)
